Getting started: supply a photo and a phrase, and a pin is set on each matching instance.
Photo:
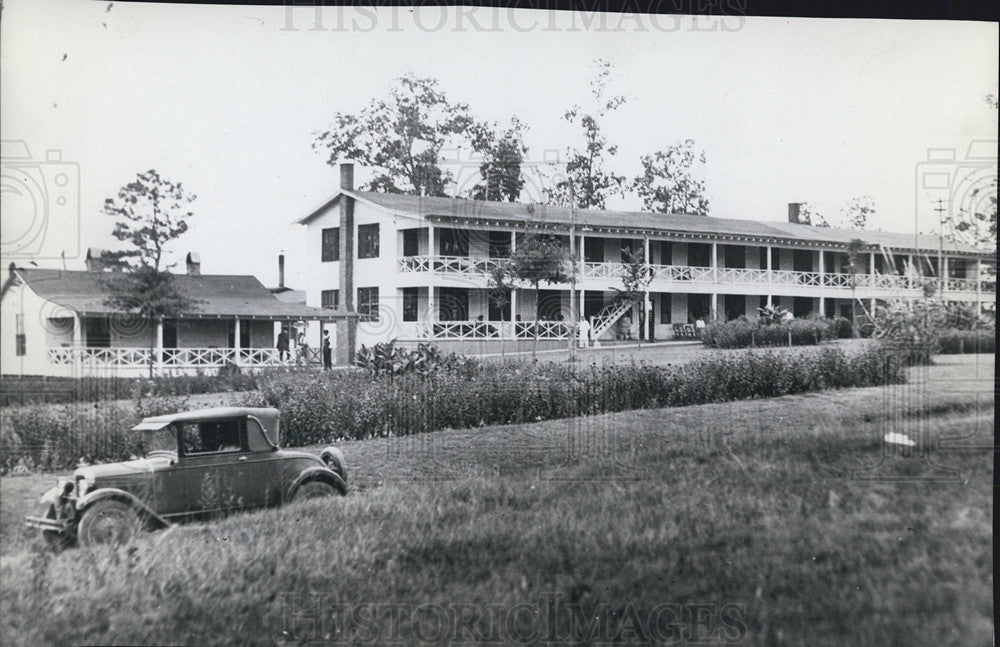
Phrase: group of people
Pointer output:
(301, 348)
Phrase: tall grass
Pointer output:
(743, 333)
(325, 407)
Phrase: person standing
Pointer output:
(282, 344)
(583, 333)
(327, 351)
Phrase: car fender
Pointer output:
(316, 474)
(52, 496)
(337, 458)
(120, 495)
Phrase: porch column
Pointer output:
(978, 277)
(944, 274)
(158, 357)
(513, 310)
(714, 305)
(822, 284)
(236, 342)
(647, 311)
(77, 344)
(769, 278)
(873, 263)
(431, 252)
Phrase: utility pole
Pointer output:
(573, 316)
(941, 277)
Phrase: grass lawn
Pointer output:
(759, 522)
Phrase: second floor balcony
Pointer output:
(599, 275)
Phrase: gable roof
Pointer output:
(456, 210)
(217, 295)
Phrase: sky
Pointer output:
(228, 99)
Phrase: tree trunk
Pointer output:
(534, 327)
(152, 345)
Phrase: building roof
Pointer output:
(455, 210)
(216, 296)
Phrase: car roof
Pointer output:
(267, 416)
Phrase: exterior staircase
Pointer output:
(607, 317)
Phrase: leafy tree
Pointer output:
(855, 266)
(400, 137)
(502, 152)
(499, 287)
(672, 180)
(636, 275)
(593, 184)
(152, 211)
(539, 259)
(809, 216)
(859, 212)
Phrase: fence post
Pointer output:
(789, 337)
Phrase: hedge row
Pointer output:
(341, 405)
(955, 342)
(743, 333)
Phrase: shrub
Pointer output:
(911, 324)
(741, 333)
(954, 342)
(845, 329)
(323, 407)
(352, 405)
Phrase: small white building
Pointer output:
(56, 323)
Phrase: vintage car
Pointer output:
(195, 464)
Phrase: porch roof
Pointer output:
(515, 214)
(217, 296)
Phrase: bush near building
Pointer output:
(954, 342)
(354, 404)
(744, 333)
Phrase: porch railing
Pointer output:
(170, 358)
(480, 330)
(481, 267)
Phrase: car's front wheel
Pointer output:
(314, 490)
(108, 522)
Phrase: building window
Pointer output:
(802, 260)
(762, 260)
(666, 254)
(699, 255)
(368, 303)
(549, 306)
(665, 307)
(454, 242)
(499, 244)
(735, 256)
(454, 304)
(410, 304)
(20, 340)
(331, 245)
(98, 332)
(329, 298)
(368, 241)
(411, 242)
(593, 250)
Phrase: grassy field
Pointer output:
(762, 522)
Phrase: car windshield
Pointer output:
(158, 440)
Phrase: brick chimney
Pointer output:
(793, 212)
(347, 331)
(95, 259)
(281, 270)
(193, 264)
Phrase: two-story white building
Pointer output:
(417, 269)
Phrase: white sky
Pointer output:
(226, 101)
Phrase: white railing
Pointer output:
(479, 330)
(608, 315)
(462, 265)
(170, 358)
(481, 267)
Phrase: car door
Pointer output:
(258, 474)
(212, 456)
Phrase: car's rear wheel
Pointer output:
(335, 461)
(314, 490)
(107, 522)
